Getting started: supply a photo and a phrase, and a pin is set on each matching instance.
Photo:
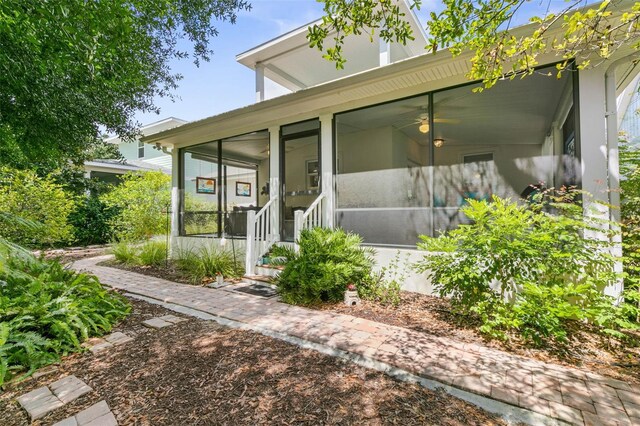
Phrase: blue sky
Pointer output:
(223, 84)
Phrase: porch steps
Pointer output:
(267, 271)
(258, 279)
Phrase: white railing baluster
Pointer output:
(259, 235)
(311, 218)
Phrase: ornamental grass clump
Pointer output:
(207, 262)
(47, 311)
(530, 269)
(327, 261)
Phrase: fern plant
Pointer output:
(328, 260)
(46, 311)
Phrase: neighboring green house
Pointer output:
(137, 156)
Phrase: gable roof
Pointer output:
(290, 62)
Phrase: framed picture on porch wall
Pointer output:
(243, 189)
(205, 185)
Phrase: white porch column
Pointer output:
(274, 180)
(175, 199)
(326, 164)
(595, 155)
(593, 138)
(259, 82)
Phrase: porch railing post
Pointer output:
(298, 219)
(250, 261)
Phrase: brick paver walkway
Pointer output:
(562, 393)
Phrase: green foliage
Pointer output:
(47, 311)
(328, 260)
(69, 68)
(207, 262)
(484, 27)
(520, 268)
(153, 253)
(26, 196)
(385, 287)
(149, 253)
(281, 252)
(125, 252)
(91, 221)
(141, 202)
(630, 212)
(381, 18)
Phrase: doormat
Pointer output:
(257, 290)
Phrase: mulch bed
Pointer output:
(433, 315)
(198, 373)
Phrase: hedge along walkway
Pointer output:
(555, 391)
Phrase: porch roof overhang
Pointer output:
(290, 62)
(420, 74)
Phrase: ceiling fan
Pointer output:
(422, 120)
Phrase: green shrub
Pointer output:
(152, 253)
(40, 200)
(522, 269)
(207, 262)
(141, 202)
(385, 287)
(125, 252)
(281, 252)
(328, 260)
(47, 311)
(91, 221)
(630, 214)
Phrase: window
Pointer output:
(140, 149)
(405, 168)
(221, 181)
(382, 163)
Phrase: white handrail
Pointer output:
(311, 218)
(259, 234)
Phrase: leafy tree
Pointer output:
(484, 27)
(69, 68)
(141, 202)
(42, 207)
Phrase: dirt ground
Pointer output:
(433, 315)
(200, 373)
(72, 254)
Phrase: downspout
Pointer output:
(613, 161)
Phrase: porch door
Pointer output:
(299, 172)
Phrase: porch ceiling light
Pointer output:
(438, 143)
(424, 126)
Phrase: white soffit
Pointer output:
(289, 61)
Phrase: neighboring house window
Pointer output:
(140, 150)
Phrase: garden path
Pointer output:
(559, 392)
